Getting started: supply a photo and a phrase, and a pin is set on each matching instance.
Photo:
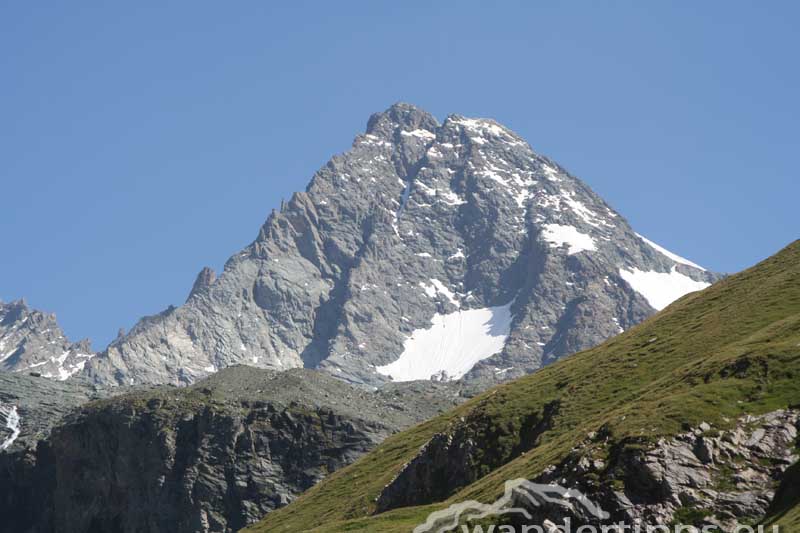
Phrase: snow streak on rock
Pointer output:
(10, 417)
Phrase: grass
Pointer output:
(785, 510)
(726, 351)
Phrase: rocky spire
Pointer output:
(204, 279)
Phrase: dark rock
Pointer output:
(212, 457)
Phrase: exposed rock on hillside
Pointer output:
(701, 477)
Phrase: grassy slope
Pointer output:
(786, 507)
(712, 356)
(790, 521)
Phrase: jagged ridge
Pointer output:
(32, 341)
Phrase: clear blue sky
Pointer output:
(140, 141)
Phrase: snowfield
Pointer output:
(661, 288)
(452, 345)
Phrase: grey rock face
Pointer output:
(731, 475)
(204, 280)
(726, 478)
(212, 457)
(32, 341)
(458, 224)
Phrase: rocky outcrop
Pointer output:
(420, 228)
(469, 450)
(212, 457)
(702, 477)
(32, 341)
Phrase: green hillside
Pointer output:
(785, 511)
(712, 356)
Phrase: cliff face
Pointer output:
(213, 457)
(428, 249)
(30, 407)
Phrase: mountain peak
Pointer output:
(403, 116)
(425, 250)
(31, 340)
(203, 280)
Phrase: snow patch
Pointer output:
(422, 134)
(430, 290)
(373, 139)
(586, 214)
(661, 288)
(452, 345)
(664, 251)
(558, 235)
(458, 255)
(442, 289)
(12, 421)
(551, 173)
(437, 287)
(451, 198)
(481, 126)
(433, 153)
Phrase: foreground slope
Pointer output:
(419, 230)
(712, 379)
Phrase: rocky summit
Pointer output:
(32, 341)
(428, 250)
